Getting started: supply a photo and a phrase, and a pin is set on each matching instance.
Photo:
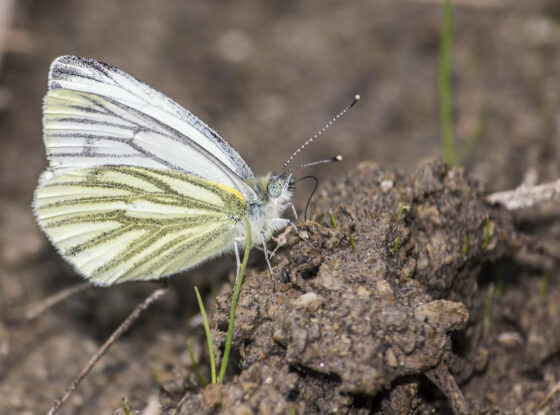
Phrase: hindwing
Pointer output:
(122, 223)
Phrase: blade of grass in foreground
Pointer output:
(201, 379)
(208, 336)
(236, 291)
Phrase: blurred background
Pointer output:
(266, 76)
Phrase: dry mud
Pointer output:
(371, 326)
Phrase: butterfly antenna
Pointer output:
(331, 160)
(316, 182)
(321, 131)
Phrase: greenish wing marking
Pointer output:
(124, 223)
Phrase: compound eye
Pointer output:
(274, 189)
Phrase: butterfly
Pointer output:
(137, 187)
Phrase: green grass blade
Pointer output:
(208, 336)
(127, 410)
(396, 245)
(201, 379)
(488, 308)
(401, 210)
(486, 235)
(476, 135)
(445, 97)
(234, 299)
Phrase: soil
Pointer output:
(422, 298)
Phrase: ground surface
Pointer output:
(343, 330)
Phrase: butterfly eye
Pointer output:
(274, 189)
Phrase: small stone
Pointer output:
(510, 340)
(386, 185)
(249, 386)
(327, 279)
(309, 301)
(212, 395)
(391, 358)
(243, 410)
(450, 315)
(363, 292)
(481, 359)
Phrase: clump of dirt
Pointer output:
(370, 314)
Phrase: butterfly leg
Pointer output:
(266, 253)
(238, 262)
(290, 204)
(294, 210)
(294, 226)
(283, 222)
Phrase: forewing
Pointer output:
(95, 114)
(124, 223)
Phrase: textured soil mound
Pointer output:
(379, 312)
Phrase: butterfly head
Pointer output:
(276, 189)
(280, 187)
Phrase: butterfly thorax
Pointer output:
(273, 195)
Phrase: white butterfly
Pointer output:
(138, 188)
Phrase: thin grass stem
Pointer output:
(333, 220)
(208, 336)
(234, 299)
(201, 379)
(488, 308)
(396, 245)
(486, 235)
(126, 407)
(401, 211)
(445, 96)
(38, 309)
(103, 349)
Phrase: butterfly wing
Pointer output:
(124, 223)
(96, 115)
